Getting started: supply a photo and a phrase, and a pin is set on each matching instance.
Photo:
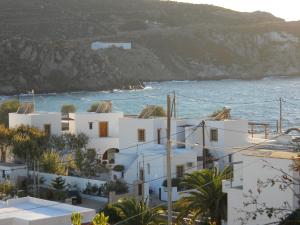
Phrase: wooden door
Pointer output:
(47, 129)
(103, 129)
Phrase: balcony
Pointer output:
(231, 184)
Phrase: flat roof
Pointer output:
(29, 209)
(37, 113)
(7, 164)
(157, 149)
(267, 153)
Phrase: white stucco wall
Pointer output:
(12, 172)
(157, 163)
(129, 131)
(254, 169)
(81, 121)
(38, 120)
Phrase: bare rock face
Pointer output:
(46, 45)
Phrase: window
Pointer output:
(103, 129)
(141, 135)
(141, 174)
(213, 134)
(158, 136)
(179, 171)
(91, 125)
(47, 129)
(140, 189)
(148, 168)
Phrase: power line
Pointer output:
(198, 188)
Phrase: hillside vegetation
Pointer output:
(46, 45)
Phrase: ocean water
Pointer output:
(255, 100)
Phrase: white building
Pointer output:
(34, 211)
(143, 150)
(220, 137)
(12, 171)
(102, 130)
(50, 122)
(255, 166)
(105, 45)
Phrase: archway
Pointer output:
(109, 155)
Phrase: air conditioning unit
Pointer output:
(189, 164)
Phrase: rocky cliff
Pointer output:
(46, 45)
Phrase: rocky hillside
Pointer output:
(46, 45)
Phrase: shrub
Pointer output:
(52, 163)
(118, 186)
(101, 107)
(6, 188)
(58, 183)
(176, 182)
(152, 111)
(6, 107)
(66, 109)
(119, 168)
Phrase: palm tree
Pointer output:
(205, 199)
(5, 141)
(133, 212)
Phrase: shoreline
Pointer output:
(145, 87)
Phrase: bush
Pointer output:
(94, 188)
(88, 189)
(6, 188)
(66, 109)
(59, 196)
(51, 163)
(58, 183)
(176, 182)
(6, 107)
(118, 186)
(119, 168)
(101, 107)
(152, 111)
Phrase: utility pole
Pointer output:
(169, 179)
(203, 143)
(143, 187)
(33, 100)
(174, 103)
(280, 115)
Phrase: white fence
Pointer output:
(78, 181)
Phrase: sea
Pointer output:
(254, 100)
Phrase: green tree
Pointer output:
(100, 219)
(88, 166)
(29, 143)
(205, 198)
(134, 212)
(79, 158)
(118, 186)
(5, 141)
(68, 108)
(57, 142)
(58, 183)
(51, 163)
(7, 107)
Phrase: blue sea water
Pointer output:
(255, 100)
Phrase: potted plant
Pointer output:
(176, 186)
(118, 172)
